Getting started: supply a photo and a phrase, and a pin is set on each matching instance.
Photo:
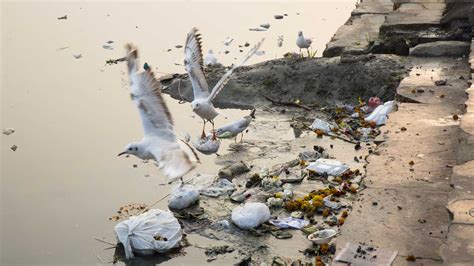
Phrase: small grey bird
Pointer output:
(233, 129)
(193, 62)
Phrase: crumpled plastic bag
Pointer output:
(153, 231)
(183, 196)
(289, 222)
(207, 145)
(220, 188)
(321, 125)
(329, 166)
(251, 215)
(380, 115)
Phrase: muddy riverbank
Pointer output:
(310, 81)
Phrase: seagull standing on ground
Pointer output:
(210, 59)
(302, 42)
(202, 103)
(233, 129)
(174, 157)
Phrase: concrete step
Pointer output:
(413, 16)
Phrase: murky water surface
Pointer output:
(72, 116)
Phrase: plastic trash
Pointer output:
(207, 145)
(321, 125)
(287, 191)
(275, 202)
(331, 204)
(289, 222)
(220, 188)
(183, 196)
(331, 167)
(322, 236)
(380, 115)
(152, 231)
(251, 215)
(270, 183)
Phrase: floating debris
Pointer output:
(115, 61)
(107, 47)
(257, 29)
(8, 131)
(227, 41)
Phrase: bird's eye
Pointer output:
(136, 148)
(129, 149)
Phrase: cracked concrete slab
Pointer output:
(459, 248)
(420, 85)
(413, 16)
(373, 7)
(354, 36)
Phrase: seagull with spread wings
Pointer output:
(174, 156)
(202, 103)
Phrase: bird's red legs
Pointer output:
(214, 137)
(203, 134)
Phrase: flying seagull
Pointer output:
(303, 42)
(174, 157)
(233, 129)
(202, 103)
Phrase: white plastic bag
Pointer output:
(207, 145)
(154, 230)
(183, 196)
(251, 215)
(321, 125)
(331, 167)
(380, 114)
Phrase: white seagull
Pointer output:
(174, 157)
(233, 129)
(303, 42)
(202, 103)
(210, 59)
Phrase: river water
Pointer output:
(72, 116)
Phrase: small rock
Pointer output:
(441, 49)
(375, 203)
(178, 46)
(278, 16)
(63, 17)
(441, 82)
(14, 148)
